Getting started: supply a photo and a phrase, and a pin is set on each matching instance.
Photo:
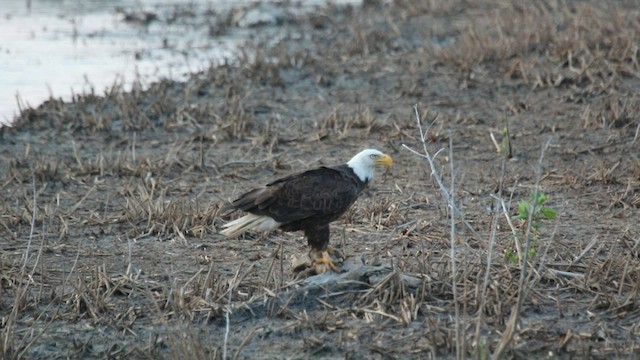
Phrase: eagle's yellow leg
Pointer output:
(322, 260)
(322, 257)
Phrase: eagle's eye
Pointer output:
(373, 156)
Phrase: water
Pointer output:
(64, 47)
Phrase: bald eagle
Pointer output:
(307, 201)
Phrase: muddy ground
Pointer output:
(109, 212)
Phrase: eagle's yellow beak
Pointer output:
(385, 160)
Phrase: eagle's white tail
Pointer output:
(249, 222)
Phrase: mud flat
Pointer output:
(108, 224)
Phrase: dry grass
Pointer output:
(108, 224)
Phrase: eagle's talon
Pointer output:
(323, 261)
(318, 262)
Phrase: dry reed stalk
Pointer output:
(449, 196)
(523, 284)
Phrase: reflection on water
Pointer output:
(61, 47)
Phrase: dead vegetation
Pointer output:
(108, 224)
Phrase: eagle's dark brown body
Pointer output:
(306, 201)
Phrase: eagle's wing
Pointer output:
(319, 193)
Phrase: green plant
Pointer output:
(534, 211)
(531, 212)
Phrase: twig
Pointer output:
(434, 173)
(395, 230)
(237, 279)
(515, 311)
(543, 256)
(566, 273)
(129, 266)
(244, 341)
(495, 142)
(584, 252)
(227, 327)
(33, 219)
(73, 267)
(514, 231)
(77, 205)
(492, 241)
(133, 148)
(523, 274)
(448, 196)
(75, 154)
(452, 240)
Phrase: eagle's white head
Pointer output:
(365, 162)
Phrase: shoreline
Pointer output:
(89, 49)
